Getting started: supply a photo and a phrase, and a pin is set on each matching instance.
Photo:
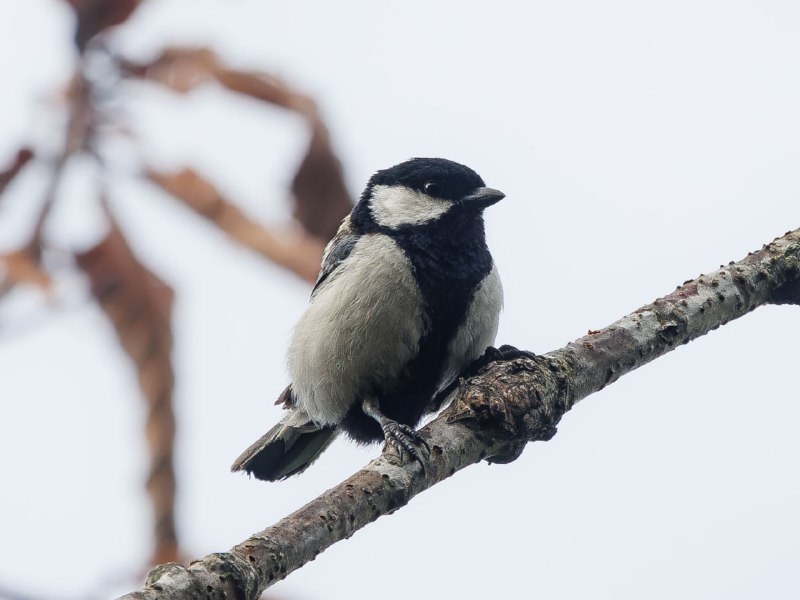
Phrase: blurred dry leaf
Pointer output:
(138, 304)
(267, 88)
(22, 267)
(294, 250)
(183, 68)
(320, 194)
(95, 16)
(22, 158)
(140, 307)
(179, 68)
(321, 199)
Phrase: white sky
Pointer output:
(638, 143)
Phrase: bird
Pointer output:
(408, 296)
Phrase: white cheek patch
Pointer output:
(393, 206)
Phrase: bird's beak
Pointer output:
(481, 198)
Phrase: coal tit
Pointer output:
(408, 296)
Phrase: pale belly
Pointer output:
(359, 331)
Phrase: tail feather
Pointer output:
(285, 450)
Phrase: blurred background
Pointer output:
(176, 176)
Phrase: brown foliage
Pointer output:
(138, 304)
(178, 68)
(321, 199)
(140, 307)
(320, 193)
(266, 88)
(95, 16)
(22, 267)
(296, 251)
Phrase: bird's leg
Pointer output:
(401, 437)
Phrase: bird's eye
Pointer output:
(432, 188)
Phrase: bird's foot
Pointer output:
(405, 441)
(504, 352)
(402, 438)
(492, 354)
(508, 352)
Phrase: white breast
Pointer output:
(363, 325)
(478, 330)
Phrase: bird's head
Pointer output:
(421, 191)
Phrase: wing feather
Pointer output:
(337, 250)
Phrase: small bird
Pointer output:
(408, 296)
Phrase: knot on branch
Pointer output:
(511, 403)
(221, 575)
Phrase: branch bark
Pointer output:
(492, 416)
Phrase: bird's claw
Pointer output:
(504, 352)
(405, 441)
(509, 352)
(492, 354)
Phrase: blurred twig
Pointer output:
(22, 158)
(23, 265)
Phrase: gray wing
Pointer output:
(286, 449)
(337, 250)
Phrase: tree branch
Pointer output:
(492, 416)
